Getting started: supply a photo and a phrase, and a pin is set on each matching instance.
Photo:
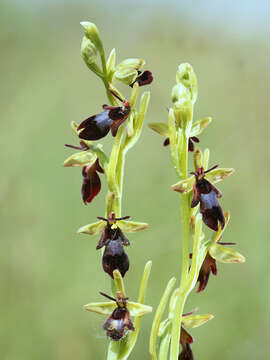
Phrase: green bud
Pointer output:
(180, 94)
(183, 115)
(193, 321)
(91, 32)
(88, 51)
(197, 158)
(185, 75)
(80, 159)
(225, 255)
(92, 229)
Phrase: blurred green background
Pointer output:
(48, 271)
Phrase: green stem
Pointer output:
(185, 218)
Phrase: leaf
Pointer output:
(158, 317)
(225, 255)
(92, 229)
(80, 159)
(160, 128)
(137, 309)
(184, 186)
(131, 226)
(217, 175)
(103, 308)
(193, 321)
(199, 125)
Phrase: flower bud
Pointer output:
(88, 51)
(185, 75)
(91, 32)
(180, 94)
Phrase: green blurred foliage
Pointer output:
(48, 271)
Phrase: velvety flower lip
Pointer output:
(185, 340)
(207, 195)
(119, 322)
(91, 182)
(143, 78)
(97, 126)
(112, 237)
(208, 266)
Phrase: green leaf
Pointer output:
(131, 226)
(158, 317)
(160, 128)
(103, 308)
(184, 186)
(137, 309)
(225, 255)
(193, 321)
(199, 125)
(217, 175)
(92, 229)
(80, 159)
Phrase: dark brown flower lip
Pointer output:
(207, 195)
(208, 266)
(143, 78)
(91, 182)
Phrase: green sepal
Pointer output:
(225, 255)
(137, 309)
(131, 63)
(126, 75)
(131, 226)
(183, 113)
(184, 186)
(206, 156)
(160, 128)
(199, 125)
(80, 159)
(110, 64)
(103, 308)
(92, 229)
(106, 308)
(192, 321)
(197, 158)
(186, 76)
(219, 174)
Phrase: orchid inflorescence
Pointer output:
(200, 202)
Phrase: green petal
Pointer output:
(226, 255)
(131, 226)
(184, 186)
(199, 125)
(104, 308)
(137, 309)
(160, 128)
(193, 321)
(80, 159)
(92, 229)
(217, 175)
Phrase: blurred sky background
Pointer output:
(47, 271)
